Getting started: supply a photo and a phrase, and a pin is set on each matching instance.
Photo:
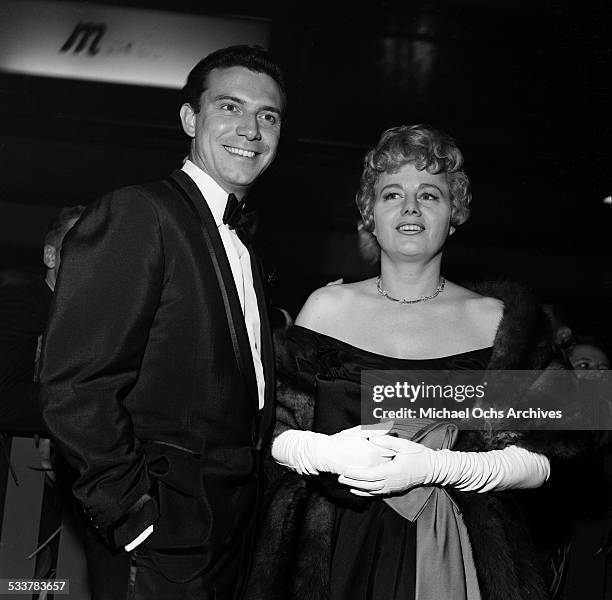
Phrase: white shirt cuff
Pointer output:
(141, 538)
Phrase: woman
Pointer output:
(402, 520)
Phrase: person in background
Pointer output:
(579, 351)
(587, 354)
(24, 310)
(157, 360)
(584, 558)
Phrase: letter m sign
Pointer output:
(83, 34)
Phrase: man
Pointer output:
(157, 363)
(24, 309)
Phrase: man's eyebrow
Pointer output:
(226, 97)
(240, 101)
(274, 109)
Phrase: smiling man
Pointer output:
(157, 364)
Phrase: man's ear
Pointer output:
(49, 256)
(188, 119)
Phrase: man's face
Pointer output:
(237, 130)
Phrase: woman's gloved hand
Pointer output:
(414, 464)
(310, 453)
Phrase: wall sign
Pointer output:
(115, 44)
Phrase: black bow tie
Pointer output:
(233, 211)
(242, 223)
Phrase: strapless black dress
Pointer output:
(373, 548)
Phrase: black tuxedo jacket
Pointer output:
(147, 379)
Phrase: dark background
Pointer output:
(524, 88)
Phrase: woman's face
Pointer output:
(412, 211)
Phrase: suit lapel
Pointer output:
(267, 350)
(235, 320)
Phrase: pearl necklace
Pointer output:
(386, 294)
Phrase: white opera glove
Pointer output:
(415, 464)
(310, 453)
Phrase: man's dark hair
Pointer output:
(254, 58)
(61, 223)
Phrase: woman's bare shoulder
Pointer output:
(327, 306)
(475, 300)
(486, 311)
